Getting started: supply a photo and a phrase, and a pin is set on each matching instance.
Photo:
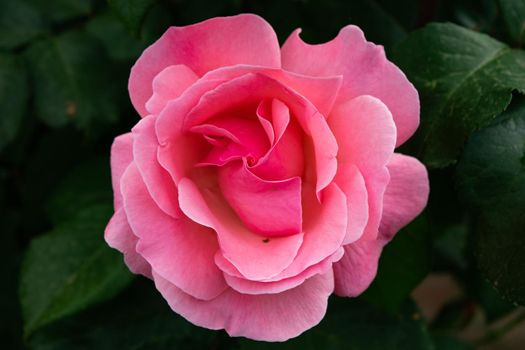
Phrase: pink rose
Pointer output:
(262, 179)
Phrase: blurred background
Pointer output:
(453, 279)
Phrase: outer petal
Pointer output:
(217, 42)
(366, 135)
(254, 256)
(121, 157)
(158, 181)
(168, 85)
(177, 249)
(358, 267)
(405, 196)
(271, 317)
(365, 70)
(119, 235)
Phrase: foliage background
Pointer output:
(64, 66)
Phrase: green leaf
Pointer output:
(449, 343)
(513, 12)
(491, 178)
(74, 81)
(132, 12)
(13, 97)
(404, 263)
(464, 79)
(70, 269)
(137, 319)
(63, 10)
(19, 23)
(86, 185)
(356, 325)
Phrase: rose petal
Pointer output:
(270, 208)
(366, 135)
(358, 267)
(121, 157)
(406, 194)
(169, 84)
(254, 256)
(271, 317)
(365, 70)
(352, 183)
(216, 42)
(157, 179)
(119, 235)
(177, 249)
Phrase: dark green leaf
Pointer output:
(13, 96)
(449, 343)
(70, 269)
(355, 325)
(404, 263)
(74, 81)
(137, 319)
(464, 79)
(19, 23)
(132, 12)
(513, 12)
(491, 176)
(86, 185)
(63, 10)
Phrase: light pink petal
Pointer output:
(406, 194)
(271, 317)
(119, 235)
(157, 179)
(254, 256)
(214, 43)
(365, 70)
(352, 183)
(177, 249)
(249, 90)
(255, 287)
(269, 208)
(285, 158)
(357, 269)
(366, 135)
(121, 157)
(169, 84)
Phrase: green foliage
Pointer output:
(464, 78)
(491, 177)
(70, 269)
(13, 96)
(132, 12)
(513, 12)
(19, 23)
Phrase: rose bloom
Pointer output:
(260, 179)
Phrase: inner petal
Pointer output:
(269, 208)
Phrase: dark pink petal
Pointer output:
(177, 249)
(271, 317)
(118, 235)
(250, 89)
(321, 91)
(254, 256)
(352, 183)
(270, 208)
(358, 267)
(366, 135)
(121, 157)
(406, 194)
(157, 179)
(214, 43)
(285, 158)
(365, 70)
(169, 84)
